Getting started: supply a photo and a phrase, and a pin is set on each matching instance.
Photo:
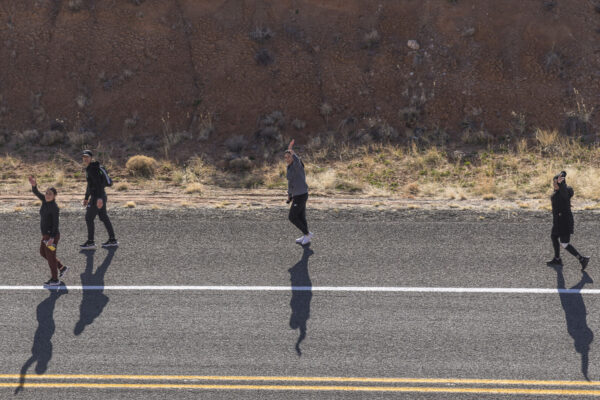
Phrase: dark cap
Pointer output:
(53, 190)
(87, 153)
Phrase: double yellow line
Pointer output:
(297, 383)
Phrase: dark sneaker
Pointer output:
(554, 261)
(584, 262)
(52, 282)
(89, 245)
(111, 243)
(63, 271)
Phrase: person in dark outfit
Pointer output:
(49, 217)
(297, 194)
(95, 202)
(563, 222)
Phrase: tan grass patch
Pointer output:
(193, 188)
(142, 166)
(122, 186)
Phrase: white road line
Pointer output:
(382, 289)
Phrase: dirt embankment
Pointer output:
(184, 76)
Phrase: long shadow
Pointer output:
(301, 296)
(41, 351)
(576, 316)
(93, 301)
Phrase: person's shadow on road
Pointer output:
(41, 351)
(301, 296)
(92, 301)
(576, 316)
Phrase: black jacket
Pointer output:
(49, 214)
(95, 181)
(562, 221)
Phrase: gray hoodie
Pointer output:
(296, 178)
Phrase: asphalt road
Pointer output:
(110, 343)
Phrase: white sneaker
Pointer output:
(300, 239)
(307, 239)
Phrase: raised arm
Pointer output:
(35, 190)
(565, 191)
(293, 153)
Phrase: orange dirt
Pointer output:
(188, 62)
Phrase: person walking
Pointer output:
(95, 201)
(297, 194)
(49, 218)
(563, 222)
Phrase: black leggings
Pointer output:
(563, 239)
(298, 212)
(90, 215)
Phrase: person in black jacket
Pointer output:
(49, 214)
(95, 202)
(563, 222)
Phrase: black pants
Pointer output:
(563, 239)
(298, 212)
(90, 215)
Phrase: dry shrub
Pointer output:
(413, 188)
(79, 139)
(130, 204)
(322, 180)
(548, 140)
(236, 143)
(478, 137)
(50, 138)
(59, 178)
(240, 164)
(27, 136)
(140, 165)
(122, 187)
(194, 188)
(198, 170)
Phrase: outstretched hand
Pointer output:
(291, 144)
(32, 181)
(560, 179)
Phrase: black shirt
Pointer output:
(49, 214)
(95, 181)
(563, 222)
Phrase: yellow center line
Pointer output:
(512, 391)
(304, 379)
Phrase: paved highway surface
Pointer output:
(178, 330)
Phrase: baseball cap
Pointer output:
(87, 153)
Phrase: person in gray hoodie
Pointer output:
(297, 194)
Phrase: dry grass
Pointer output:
(140, 165)
(59, 178)
(194, 187)
(520, 173)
